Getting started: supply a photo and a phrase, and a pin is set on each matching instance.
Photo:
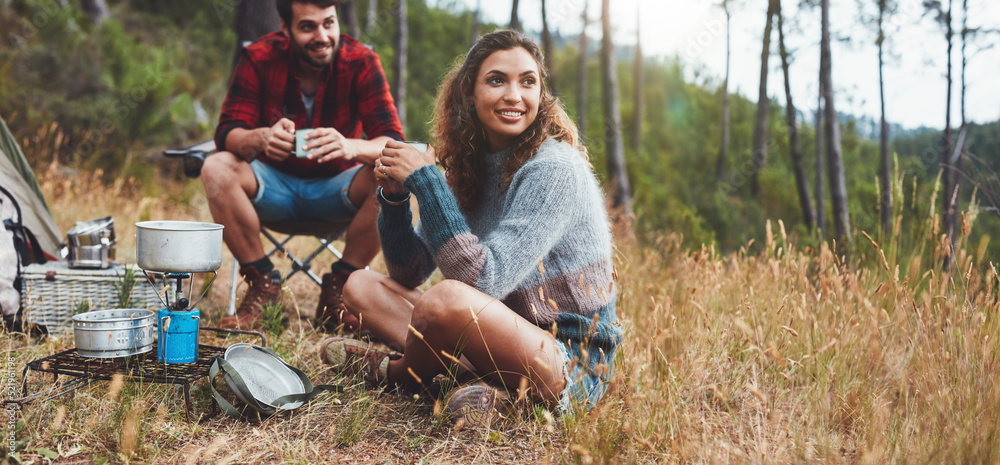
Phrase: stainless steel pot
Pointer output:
(91, 244)
(178, 246)
(91, 256)
(114, 333)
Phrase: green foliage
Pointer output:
(274, 317)
(82, 306)
(116, 90)
(155, 75)
(123, 288)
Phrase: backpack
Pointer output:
(18, 247)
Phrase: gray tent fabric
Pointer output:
(17, 177)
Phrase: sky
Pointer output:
(694, 30)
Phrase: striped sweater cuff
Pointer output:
(438, 209)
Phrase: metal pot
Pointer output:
(91, 256)
(114, 333)
(178, 246)
(91, 244)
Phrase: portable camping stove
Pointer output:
(142, 368)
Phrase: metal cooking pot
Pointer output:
(114, 333)
(91, 243)
(178, 246)
(94, 232)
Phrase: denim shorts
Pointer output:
(283, 197)
(583, 389)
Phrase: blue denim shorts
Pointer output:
(283, 197)
(583, 389)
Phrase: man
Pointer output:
(305, 76)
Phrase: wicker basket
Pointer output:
(52, 292)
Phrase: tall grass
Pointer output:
(772, 354)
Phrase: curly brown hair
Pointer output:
(459, 136)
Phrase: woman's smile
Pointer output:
(506, 95)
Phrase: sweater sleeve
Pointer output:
(536, 212)
(407, 258)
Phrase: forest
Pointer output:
(111, 92)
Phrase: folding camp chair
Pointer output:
(193, 157)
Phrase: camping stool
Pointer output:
(326, 233)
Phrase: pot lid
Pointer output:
(266, 376)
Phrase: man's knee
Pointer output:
(221, 172)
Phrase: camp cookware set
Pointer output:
(175, 250)
(91, 244)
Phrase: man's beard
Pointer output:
(303, 54)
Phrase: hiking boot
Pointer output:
(476, 405)
(264, 290)
(331, 312)
(354, 357)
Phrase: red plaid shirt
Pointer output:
(353, 98)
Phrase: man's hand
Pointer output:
(280, 140)
(329, 145)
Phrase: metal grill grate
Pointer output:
(143, 368)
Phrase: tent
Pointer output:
(17, 178)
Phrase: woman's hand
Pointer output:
(397, 162)
(388, 185)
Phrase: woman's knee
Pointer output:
(359, 287)
(444, 302)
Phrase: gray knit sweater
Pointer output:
(542, 247)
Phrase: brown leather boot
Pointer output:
(331, 312)
(264, 290)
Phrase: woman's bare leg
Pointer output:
(453, 317)
(383, 305)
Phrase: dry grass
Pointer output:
(785, 355)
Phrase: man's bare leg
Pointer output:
(361, 242)
(229, 185)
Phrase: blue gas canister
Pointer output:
(178, 335)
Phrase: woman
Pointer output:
(517, 226)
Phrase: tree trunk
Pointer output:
(549, 53)
(720, 164)
(399, 62)
(372, 14)
(763, 105)
(885, 170)
(253, 21)
(515, 24)
(637, 108)
(950, 196)
(476, 24)
(97, 10)
(835, 161)
(801, 183)
(581, 88)
(820, 182)
(621, 196)
(965, 38)
(350, 18)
